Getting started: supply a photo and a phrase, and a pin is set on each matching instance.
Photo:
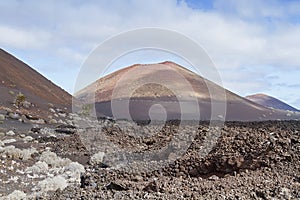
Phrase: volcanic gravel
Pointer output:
(247, 160)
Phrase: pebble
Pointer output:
(39, 121)
(8, 141)
(137, 178)
(285, 192)
(62, 115)
(10, 133)
(28, 139)
(14, 115)
(52, 121)
(2, 117)
(214, 178)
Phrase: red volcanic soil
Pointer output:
(270, 102)
(132, 92)
(16, 76)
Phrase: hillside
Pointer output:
(270, 102)
(17, 77)
(136, 90)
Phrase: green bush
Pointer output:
(86, 109)
(20, 99)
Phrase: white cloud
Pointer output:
(70, 54)
(256, 9)
(236, 34)
(24, 39)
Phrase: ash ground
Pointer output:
(250, 160)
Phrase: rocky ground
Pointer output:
(78, 158)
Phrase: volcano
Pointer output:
(169, 91)
(17, 77)
(270, 102)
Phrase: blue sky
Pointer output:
(254, 44)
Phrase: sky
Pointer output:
(254, 44)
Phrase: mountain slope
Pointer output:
(270, 102)
(17, 77)
(135, 91)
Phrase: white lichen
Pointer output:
(97, 158)
(15, 195)
(53, 184)
(53, 160)
(73, 171)
(38, 168)
(15, 153)
(56, 172)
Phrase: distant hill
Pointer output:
(270, 102)
(142, 98)
(17, 77)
